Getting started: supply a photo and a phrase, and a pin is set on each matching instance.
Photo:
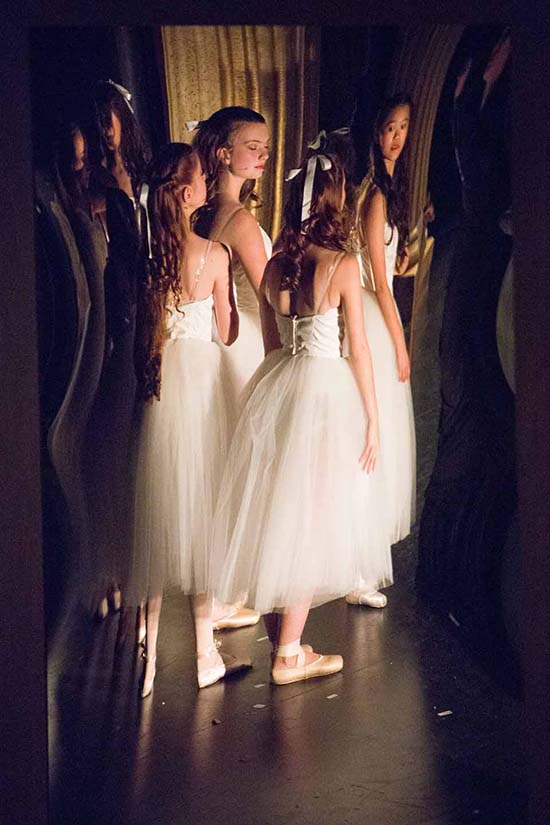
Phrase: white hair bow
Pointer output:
(325, 164)
(319, 141)
(124, 92)
(191, 125)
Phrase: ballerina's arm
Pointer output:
(242, 234)
(348, 282)
(375, 220)
(227, 316)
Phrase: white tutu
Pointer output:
(298, 521)
(181, 452)
(395, 407)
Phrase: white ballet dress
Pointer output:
(297, 520)
(182, 449)
(395, 407)
(243, 357)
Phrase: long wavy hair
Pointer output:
(395, 189)
(133, 146)
(169, 172)
(212, 135)
(326, 225)
(71, 184)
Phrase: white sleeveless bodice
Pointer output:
(246, 297)
(391, 239)
(192, 320)
(316, 335)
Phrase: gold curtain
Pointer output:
(272, 69)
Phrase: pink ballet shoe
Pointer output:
(368, 598)
(323, 665)
(212, 667)
(236, 618)
(148, 676)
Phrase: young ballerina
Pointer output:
(187, 416)
(233, 145)
(297, 520)
(382, 229)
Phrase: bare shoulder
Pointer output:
(348, 269)
(243, 225)
(220, 253)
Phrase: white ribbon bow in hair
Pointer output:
(191, 125)
(124, 92)
(319, 141)
(325, 164)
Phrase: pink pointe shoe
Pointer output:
(210, 666)
(236, 618)
(368, 598)
(323, 665)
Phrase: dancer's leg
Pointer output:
(154, 604)
(210, 665)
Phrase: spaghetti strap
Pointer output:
(200, 270)
(331, 270)
(225, 225)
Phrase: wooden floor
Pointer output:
(412, 732)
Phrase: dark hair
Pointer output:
(71, 184)
(169, 172)
(133, 146)
(326, 225)
(211, 136)
(395, 189)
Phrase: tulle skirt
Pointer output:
(298, 522)
(182, 449)
(397, 434)
(242, 358)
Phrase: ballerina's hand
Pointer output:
(369, 455)
(403, 365)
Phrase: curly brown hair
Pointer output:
(169, 172)
(211, 136)
(326, 226)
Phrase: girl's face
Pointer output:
(249, 150)
(79, 151)
(195, 196)
(393, 134)
(112, 131)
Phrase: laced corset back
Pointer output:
(320, 334)
(391, 238)
(194, 318)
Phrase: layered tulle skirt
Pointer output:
(242, 358)
(298, 521)
(181, 451)
(397, 433)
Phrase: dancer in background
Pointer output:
(187, 417)
(382, 230)
(116, 183)
(298, 515)
(233, 145)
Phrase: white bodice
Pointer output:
(193, 320)
(391, 239)
(245, 295)
(315, 335)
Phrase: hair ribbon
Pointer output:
(325, 164)
(124, 92)
(191, 125)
